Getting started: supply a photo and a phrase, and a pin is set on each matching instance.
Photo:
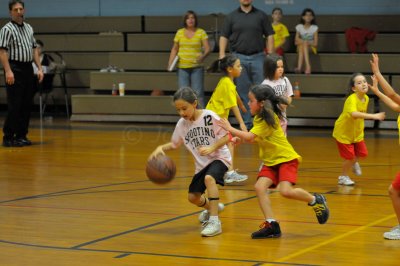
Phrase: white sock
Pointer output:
(213, 219)
(230, 172)
(313, 201)
(271, 220)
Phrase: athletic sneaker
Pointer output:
(234, 176)
(267, 230)
(357, 169)
(205, 215)
(212, 228)
(393, 234)
(320, 208)
(345, 180)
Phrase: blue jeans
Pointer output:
(252, 74)
(194, 78)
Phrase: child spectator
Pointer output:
(306, 39)
(274, 74)
(281, 31)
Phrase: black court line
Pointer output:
(124, 253)
(149, 226)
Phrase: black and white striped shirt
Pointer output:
(18, 40)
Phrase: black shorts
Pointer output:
(216, 169)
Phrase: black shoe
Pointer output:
(11, 143)
(268, 230)
(24, 141)
(320, 208)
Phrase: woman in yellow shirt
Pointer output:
(349, 128)
(191, 47)
(280, 160)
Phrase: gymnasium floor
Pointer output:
(79, 196)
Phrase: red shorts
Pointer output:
(281, 172)
(350, 151)
(396, 182)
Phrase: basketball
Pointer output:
(161, 169)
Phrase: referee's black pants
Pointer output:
(19, 101)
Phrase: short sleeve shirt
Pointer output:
(203, 132)
(274, 148)
(347, 129)
(306, 34)
(223, 98)
(189, 48)
(281, 33)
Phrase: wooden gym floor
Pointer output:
(79, 196)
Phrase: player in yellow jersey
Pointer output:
(280, 160)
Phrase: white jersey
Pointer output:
(282, 86)
(306, 34)
(202, 132)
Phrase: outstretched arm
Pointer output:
(239, 118)
(161, 149)
(247, 136)
(389, 102)
(386, 87)
(378, 116)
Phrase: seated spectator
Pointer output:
(49, 69)
(306, 39)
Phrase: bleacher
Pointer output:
(141, 45)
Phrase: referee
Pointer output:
(17, 51)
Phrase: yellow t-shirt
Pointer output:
(189, 48)
(274, 148)
(281, 32)
(223, 98)
(347, 129)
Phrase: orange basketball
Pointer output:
(161, 169)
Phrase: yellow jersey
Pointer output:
(274, 148)
(223, 98)
(347, 129)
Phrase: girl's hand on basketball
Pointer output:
(156, 152)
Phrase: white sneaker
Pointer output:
(393, 234)
(234, 177)
(345, 180)
(205, 215)
(357, 169)
(212, 228)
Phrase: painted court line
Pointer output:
(336, 238)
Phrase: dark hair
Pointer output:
(186, 16)
(306, 10)
(11, 4)
(277, 9)
(270, 65)
(352, 83)
(266, 95)
(39, 42)
(185, 93)
(222, 64)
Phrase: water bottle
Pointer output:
(296, 90)
(114, 91)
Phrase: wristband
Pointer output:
(230, 136)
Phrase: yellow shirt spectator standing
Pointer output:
(281, 31)
(349, 128)
(189, 50)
